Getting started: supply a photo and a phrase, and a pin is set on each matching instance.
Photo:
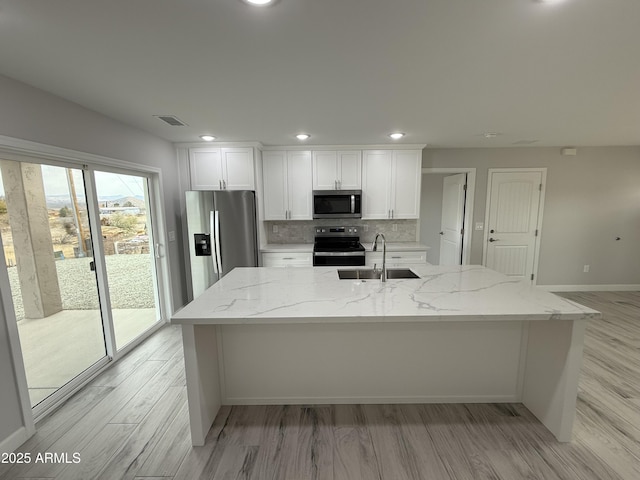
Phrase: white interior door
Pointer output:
(512, 222)
(451, 224)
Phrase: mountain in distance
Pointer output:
(59, 201)
(136, 201)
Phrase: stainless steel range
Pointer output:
(337, 246)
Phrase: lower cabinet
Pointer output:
(395, 259)
(287, 259)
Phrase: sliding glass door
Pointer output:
(82, 269)
(47, 246)
(127, 235)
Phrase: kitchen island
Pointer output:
(457, 334)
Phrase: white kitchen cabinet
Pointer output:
(225, 168)
(287, 259)
(391, 184)
(376, 184)
(337, 170)
(395, 259)
(287, 185)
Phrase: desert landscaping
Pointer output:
(126, 245)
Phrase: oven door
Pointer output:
(338, 259)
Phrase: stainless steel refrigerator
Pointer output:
(222, 233)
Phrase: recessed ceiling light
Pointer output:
(207, 138)
(490, 134)
(396, 135)
(303, 136)
(259, 3)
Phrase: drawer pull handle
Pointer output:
(287, 258)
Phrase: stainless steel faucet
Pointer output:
(383, 276)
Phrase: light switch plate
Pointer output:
(172, 235)
(479, 226)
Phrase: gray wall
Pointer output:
(30, 114)
(431, 214)
(590, 199)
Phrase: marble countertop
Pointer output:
(287, 247)
(308, 247)
(398, 246)
(316, 295)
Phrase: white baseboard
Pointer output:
(13, 441)
(591, 288)
(374, 400)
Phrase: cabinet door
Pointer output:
(325, 172)
(350, 170)
(274, 174)
(376, 184)
(299, 182)
(406, 178)
(205, 168)
(237, 164)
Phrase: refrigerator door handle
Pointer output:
(213, 242)
(217, 242)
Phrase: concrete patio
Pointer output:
(58, 348)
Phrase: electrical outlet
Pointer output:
(586, 268)
(366, 228)
(172, 235)
(394, 227)
(274, 229)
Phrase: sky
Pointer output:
(108, 184)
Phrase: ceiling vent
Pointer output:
(171, 120)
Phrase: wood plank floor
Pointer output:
(132, 423)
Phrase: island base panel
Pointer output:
(554, 359)
(371, 363)
(203, 380)
(536, 363)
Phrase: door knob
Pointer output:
(493, 239)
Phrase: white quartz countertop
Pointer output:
(308, 247)
(287, 247)
(398, 246)
(316, 295)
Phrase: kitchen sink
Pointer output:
(400, 273)
(370, 274)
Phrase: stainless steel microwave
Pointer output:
(337, 203)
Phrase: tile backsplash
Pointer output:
(303, 231)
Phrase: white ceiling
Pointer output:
(345, 71)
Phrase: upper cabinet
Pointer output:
(391, 184)
(287, 185)
(225, 168)
(337, 170)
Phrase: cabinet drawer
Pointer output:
(287, 259)
(396, 258)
